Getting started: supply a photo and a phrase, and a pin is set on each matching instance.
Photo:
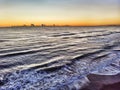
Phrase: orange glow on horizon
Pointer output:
(62, 23)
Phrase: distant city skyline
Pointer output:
(59, 12)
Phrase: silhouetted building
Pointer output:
(32, 25)
(54, 25)
(24, 25)
(42, 25)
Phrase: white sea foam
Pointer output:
(30, 61)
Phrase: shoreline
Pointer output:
(103, 69)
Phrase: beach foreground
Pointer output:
(59, 58)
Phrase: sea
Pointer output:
(55, 58)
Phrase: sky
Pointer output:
(59, 12)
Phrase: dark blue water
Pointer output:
(51, 57)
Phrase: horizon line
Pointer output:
(32, 25)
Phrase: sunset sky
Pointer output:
(59, 12)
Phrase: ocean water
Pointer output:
(42, 58)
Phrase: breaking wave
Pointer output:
(57, 58)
